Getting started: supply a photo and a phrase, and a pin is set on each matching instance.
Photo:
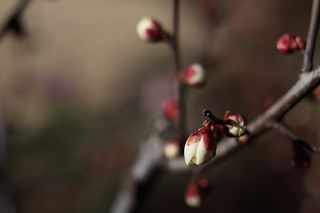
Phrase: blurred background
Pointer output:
(79, 92)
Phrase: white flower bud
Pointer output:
(194, 75)
(192, 195)
(171, 149)
(235, 124)
(149, 30)
(200, 147)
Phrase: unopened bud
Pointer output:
(194, 75)
(244, 139)
(301, 156)
(203, 183)
(288, 43)
(149, 30)
(200, 147)
(192, 195)
(170, 109)
(235, 124)
(171, 149)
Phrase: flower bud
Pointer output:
(192, 195)
(244, 139)
(194, 75)
(300, 43)
(203, 183)
(288, 43)
(149, 30)
(200, 147)
(171, 149)
(235, 124)
(301, 156)
(170, 109)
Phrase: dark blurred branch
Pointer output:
(312, 37)
(305, 85)
(143, 174)
(175, 46)
(14, 20)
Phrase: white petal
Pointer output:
(190, 152)
(203, 155)
(193, 201)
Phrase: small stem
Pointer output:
(209, 115)
(284, 130)
(307, 65)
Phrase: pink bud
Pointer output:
(192, 195)
(171, 149)
(200, 147)
(170, 109)
(194, 75)
(149, 30)
(288, 43)
(235, 124)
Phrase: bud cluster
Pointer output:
(201, 144)
(288, 43)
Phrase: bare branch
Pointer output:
(306, 83)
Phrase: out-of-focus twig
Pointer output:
(14, 22)
(287, 132)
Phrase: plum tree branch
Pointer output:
(306, 83)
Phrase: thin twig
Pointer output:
(287, 132)
(13, 21)
(312, 36)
